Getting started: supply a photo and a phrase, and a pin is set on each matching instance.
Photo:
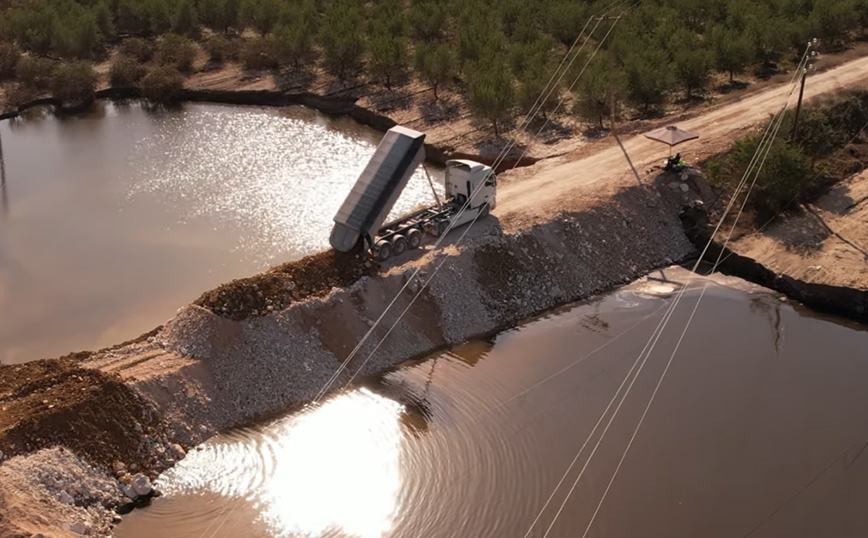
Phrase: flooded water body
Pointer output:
(758, 430)
(112, 221)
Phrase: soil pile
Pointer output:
(56, 402)
(278, 288)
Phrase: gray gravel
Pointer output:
(270, 363)
(57, 483)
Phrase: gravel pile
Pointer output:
(54, 488)
(267, 363)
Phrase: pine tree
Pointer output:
(186, 20)
(342, 37)
(732, 51)
(490, 91)
(435, 64)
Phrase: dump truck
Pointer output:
(361, 217)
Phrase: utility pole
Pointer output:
(3, 197)
(812, 55)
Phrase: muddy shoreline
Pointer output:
(329, 105)
(217, 365)
(845, 302)
(259, 346)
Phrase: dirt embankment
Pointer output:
(264, 344)
(823, 242)
(842, 301)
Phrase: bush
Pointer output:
(162, 84)
(137, 48)
(259, 53)
(176, 51)
(220, 49)
(126, 72)
(35, 72)
(9, 56)
(73, 82)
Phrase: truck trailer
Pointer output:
(360, 219)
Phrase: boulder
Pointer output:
(65, 498)
(142, 485)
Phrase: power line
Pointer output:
(436, 245)
(424, 285)
(653, 342)
(760, 149)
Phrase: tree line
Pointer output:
(498, 54)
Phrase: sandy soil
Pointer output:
(538, 190)
(824, 242)
(40, 400)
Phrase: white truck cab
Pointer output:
(471, 179)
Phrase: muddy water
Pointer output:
(758, 430)
(111, 221)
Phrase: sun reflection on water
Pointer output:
(335, 468)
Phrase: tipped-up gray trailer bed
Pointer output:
(378, 188)
(470, 190)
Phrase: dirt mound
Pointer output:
(278, 288)
(56, 402)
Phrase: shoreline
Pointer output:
(329, 105)
(261, 345)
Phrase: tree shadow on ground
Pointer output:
(385, 100)
(595, 132)
(350, 87)
(443, 109)
(767, 70)
(798, 231)
(548, 131)
(295, 79)
(692, 101)
(836, 200)
(732, 86)
(491, 146)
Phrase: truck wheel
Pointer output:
(414, 238)
(399, 245)
(484, 211)
(383, 250)
(442, 226)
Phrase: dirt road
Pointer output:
(543, 186)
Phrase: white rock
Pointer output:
(79, 528)
(141, 484)
(684, 187)
(66, 498)
(128, 491)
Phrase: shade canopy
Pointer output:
(671, 135)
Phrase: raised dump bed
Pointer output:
(378, 188)
(470, 195)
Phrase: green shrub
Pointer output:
(259, 53)
(220, 49)
(73, 82)
(125, 72)
(137, 48)
(162, 84)
(9, 56)
(35, 72)
(176, 51)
